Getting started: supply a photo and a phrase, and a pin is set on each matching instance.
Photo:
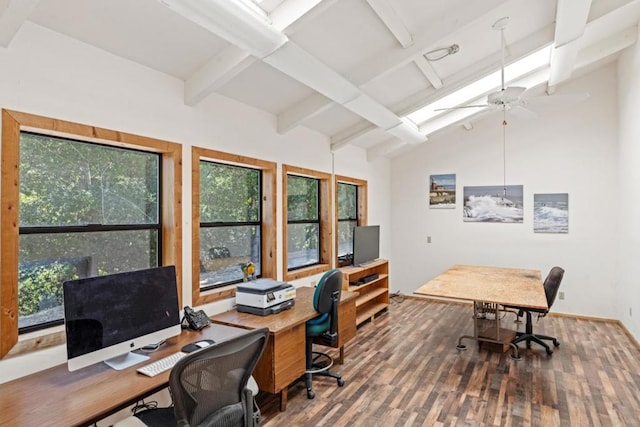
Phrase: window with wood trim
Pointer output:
(351, 210)
(233, 221)
(306, 228)
(78, 201)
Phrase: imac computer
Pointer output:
(366, 244)
(107, 317)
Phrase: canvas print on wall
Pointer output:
(551, 213)
(442, 191)
(493, 204)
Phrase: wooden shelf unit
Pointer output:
(373, 296)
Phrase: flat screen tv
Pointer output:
(366, 244)
(107, 317)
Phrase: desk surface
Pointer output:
(57, 397)
(301, 312)
(507, 286)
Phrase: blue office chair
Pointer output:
(323, 329)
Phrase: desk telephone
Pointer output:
(195, 320)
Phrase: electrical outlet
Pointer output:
(561, 295)
(428, 239)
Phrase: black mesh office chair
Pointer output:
(323, 329)
(551, 286)
(209, 386)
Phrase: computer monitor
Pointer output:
(107, 317)
(366, 244)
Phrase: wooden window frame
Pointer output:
(268, 229)
(361, 207)
(13, 122)
(326, 202)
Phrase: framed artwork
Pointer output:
(493, 204)
(551, 213)
(442, 191)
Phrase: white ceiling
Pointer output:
(350, 69)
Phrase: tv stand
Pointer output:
(371, 282)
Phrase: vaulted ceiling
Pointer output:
(350, 69)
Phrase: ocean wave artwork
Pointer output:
(551, 213)
(493, 204)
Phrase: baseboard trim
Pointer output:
(628, 334)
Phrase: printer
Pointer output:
(264, 296)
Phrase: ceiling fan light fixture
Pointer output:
(441, 52)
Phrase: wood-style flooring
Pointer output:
(404, 370)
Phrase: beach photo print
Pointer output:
(551, 213)
(442, 191)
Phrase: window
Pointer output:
(85, 209)
(230, 222)
(351, 210)
(303, 222)
(89, 201)
(306, 229)
(233, 217)
(347, 217)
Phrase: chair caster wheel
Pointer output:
(556, 343)
(340, 382)
(549, 351)
(310, 394)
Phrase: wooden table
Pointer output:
(283, 360)
(489, 288)
(57, 397)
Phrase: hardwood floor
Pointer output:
(405, 371)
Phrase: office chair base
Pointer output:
(321, 362)
(538, 339)
(529, 336)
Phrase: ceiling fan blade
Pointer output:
(554, 100)
(462, 106)
(524, 113)
(513, 92)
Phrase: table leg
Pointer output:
(283, 399)
(341, 358)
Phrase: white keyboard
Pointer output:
(159, 366)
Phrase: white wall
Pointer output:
(628, 292)
(568, 150)
(49, 74)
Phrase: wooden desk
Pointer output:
(57, 397)
(493, 285)
(283, 360)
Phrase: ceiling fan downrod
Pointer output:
(501, 25)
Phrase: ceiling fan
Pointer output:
(514, 99)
